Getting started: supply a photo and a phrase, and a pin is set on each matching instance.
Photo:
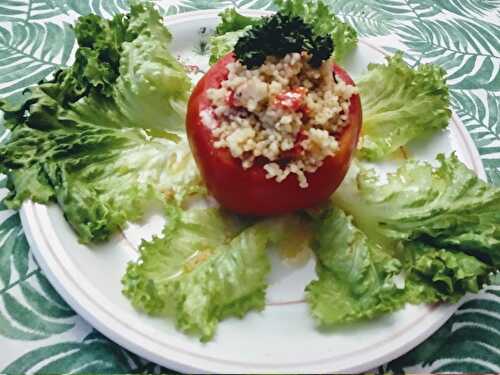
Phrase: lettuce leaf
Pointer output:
(79, 138)
(446, 206)
(355, 275)
(234, 25)
(231, 27)
(100, 177)
(422, 234)
(231, 21)
(221, 45)
(203, 268)
(434, 275)
(361, 278)
(153, 87)
(142, 85)
(400, 104)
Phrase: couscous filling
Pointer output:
(285, 114)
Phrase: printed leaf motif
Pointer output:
(14, 251)
(104, 8)
(262, 4)
(94, 354)
(181, 6)
(467, 7)
(40, 10)
(480, 116)
(12, 10)
(429, 8)
(28, 10)
(31, 309)
(30, 52)
(30, 320)
(366, 16)
(43, 9)
(469, 342)
(468, 50)
(190, 5)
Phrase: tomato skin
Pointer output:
(248, 191)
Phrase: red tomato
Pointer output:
(248, 191)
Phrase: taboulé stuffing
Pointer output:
(285, 113)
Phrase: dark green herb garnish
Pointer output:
(279, 35)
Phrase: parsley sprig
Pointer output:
(278, 35)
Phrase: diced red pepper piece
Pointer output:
(293, 100)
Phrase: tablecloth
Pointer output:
(40, 333)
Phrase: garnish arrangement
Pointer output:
(277, 132)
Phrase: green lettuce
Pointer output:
(204, 267)
(231, 27)
(140, 85)
(231, 20)
(445, 206)
(100, 177)
(360, 278)
(355, 275)
(422, 234)
(221, 45)
(400, 104)
(435, 275)
(153, 87)
(102, 138)
(234, 25)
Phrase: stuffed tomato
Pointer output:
(276, 138)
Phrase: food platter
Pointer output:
(280, 339)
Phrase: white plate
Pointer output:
(282, 338)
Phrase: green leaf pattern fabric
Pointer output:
(39, 333)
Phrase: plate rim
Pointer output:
(43, 249)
